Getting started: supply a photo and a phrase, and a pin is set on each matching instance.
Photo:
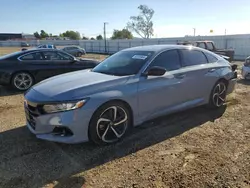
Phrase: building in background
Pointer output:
(16, 36)
(10, 36)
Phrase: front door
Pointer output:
(58, 62)
(158, 93)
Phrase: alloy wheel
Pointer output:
(112, 124)
(23, 81)
(219, 94)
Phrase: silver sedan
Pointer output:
(125, 90)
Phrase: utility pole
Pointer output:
(225, 31)
(105, 40)
(194, 31)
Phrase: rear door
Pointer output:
(35, 64)
(200, 75)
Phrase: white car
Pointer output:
(246, 69)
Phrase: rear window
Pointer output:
(211, 58)
(193, 57)
(10, 55)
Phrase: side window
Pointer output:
(211, 58)
(51, 56)
(201, 45)
(65, 56)
(210, 46)
(170, 60)
(193, 57)
(33, 56)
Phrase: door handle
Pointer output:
(180, 76)
(212, 70)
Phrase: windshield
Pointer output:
(9, 55)
(124, 63)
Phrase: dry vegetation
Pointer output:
(194, 148)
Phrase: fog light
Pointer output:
(62, 131)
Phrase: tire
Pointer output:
(22, 81)
(79, 54)
(102, 128)
(218, 95)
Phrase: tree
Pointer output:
(36, 34)
(85, 38)
(122, 34)
(142, 24)
(74, 35)
(92, 38)
(43, 34)
(99, 37)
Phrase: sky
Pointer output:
(172, 18)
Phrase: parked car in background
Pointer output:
(24, 44)
(51, 46)
(126, 89)
(246, 69)
(209, 45)
(74, 50)
(23, 69)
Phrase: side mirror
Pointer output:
(73, 60)
(155, 71)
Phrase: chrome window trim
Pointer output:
(19, 58)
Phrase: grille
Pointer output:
(32, 112)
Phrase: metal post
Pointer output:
(194, 31)
(105, 40)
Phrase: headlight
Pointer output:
(51, 108)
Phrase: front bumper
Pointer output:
(245, 72)
(46, 126)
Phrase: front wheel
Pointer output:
(109, 123)
(218, 95)
(22, 81)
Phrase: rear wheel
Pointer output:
(109, 123)
(218, 94)
(22, 81)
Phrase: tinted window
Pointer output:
(210, 46)
(170, 60)
(201, 45)
(123, 63)
(33, 56)
(211, 58)
(10, 55)
(193, 57)
(65, 56)
(55, 56)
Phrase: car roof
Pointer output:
(159, 48)
(39, 49)
(71, 46)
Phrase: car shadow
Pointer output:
(8, 91)
(28, 162)
(244, 82)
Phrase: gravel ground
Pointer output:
(194, 148)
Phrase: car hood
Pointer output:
(76, 85)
